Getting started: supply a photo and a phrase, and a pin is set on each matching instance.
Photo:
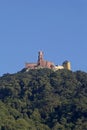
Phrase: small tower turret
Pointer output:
(67, 65)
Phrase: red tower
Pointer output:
(40, 58)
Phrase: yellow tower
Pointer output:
(67, 65)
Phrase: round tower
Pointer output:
(67, 65)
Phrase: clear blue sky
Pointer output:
(58, 27)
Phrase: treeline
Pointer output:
(43, 100)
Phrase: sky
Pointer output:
(57, 27)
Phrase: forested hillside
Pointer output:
(43, 100)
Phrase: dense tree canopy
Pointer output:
(43, 100)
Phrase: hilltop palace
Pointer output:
(41, 63)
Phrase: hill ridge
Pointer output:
(43, 99)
